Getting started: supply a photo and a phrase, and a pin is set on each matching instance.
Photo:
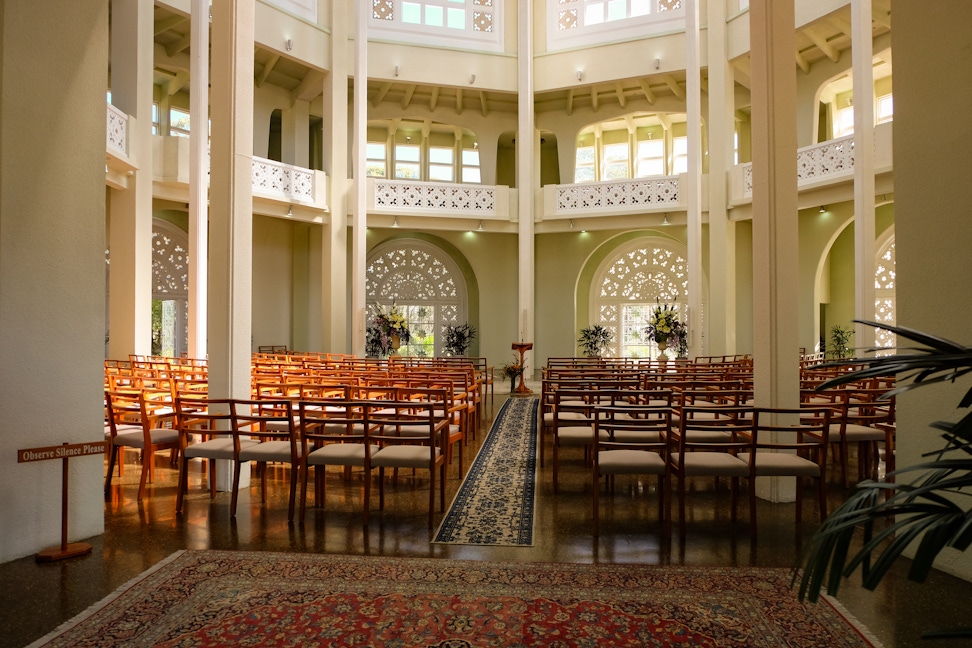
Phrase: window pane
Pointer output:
(457, 18)
(585, 155)
(178, 119)
(651, 167)
(615, 152)
(440, 173)
(433, 15)
(374, 151)
(584, 174)
(640, 7)
(412, 13)
(651, 148)
(594, 14)
(470, 157)
(407, 153)
(376, 169)
(439, 155)
(680, 145)
(471, 174)
(407, 171)
(617, 9)
(885, 108)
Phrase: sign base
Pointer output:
(61, 552)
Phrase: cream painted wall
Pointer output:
(52, 246)
(273, 281)
(932, 195)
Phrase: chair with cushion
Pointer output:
(154, 417)
(270, 422)
(630, 439)
(706, 444)
(412, 435)
(334, 432)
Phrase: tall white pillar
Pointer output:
(721, 311)
(199, 179)
(862, 52)
(776, 367)
(231, 202)
(359, 248)
(693, 177)
(130, 233)
(527, 154)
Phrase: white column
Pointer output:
(231, 216)
(527, 143)
(693, 177)
(863, 72)
(359, 250)
(130, 234)
(198, 179)
(335, 282)
(294, 144)
(721, 311)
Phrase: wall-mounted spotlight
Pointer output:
(290, 44)
(472, 79)
(580, 75)
(395, 222)
(657, 63)
(823, 208)
(665, 220)
(571, 223)
(475, 145)
(397, 70)
(290, 211)
(480, 228)
(408, 139)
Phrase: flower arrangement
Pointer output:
(384, 328)
(458, 337)
(511, 370)
(594, 339)
(665, 328)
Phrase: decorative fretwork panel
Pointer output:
(630, 283)
(817, 162)
(441, 196)
(289, 181)
(669, 5)
(117, 133)
(634, 195)
(383, 10)
(424, 283)
(884, 294)
(170, 263)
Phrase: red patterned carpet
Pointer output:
(223, 598)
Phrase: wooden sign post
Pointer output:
(62, 452)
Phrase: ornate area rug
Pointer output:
(222, 598)
(495, 502)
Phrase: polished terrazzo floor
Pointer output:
(36, 598)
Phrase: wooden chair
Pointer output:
(271, 422)
(706, 444)
(334, 432)
(790, 443)
(155, 417)
(411, 435)
(630, 439)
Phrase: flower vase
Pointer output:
(662, 346)
(396, 341)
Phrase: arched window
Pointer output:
(884, 291)
(629, 283)
(424, 283)
(170, 289)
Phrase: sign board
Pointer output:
(64, 451)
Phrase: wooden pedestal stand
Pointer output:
(62, 452)
(522, 348)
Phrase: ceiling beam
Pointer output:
(619, 91)
(482, 101)
(646, 90)
(570, 101)
(177, 82)
(382, 91)
(267, 69)
(458, 101)
(594, 103)
(842, 25)
(881, 17)
(311, 86)
(181, 45)
(802, 63)
(434, 99)
(407, 99)
(673, 85)
(169, 23)
(820, 41)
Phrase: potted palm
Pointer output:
(594, 340)
(840, 342)
(458, 337)
(927, 503)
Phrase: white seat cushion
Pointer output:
(403, 456)
(340, 454)
(714, 464)
(630, 462)
(136, 439)
(267, 451)
(782, 464)
(219, 448)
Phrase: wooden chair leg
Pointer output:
(112, 458)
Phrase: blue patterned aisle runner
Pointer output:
(494, 505)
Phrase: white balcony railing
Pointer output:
(117, 131)
(273, 179)
(612, 197)
(436, 198)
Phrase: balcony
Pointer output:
(612, 198)
(442, 205)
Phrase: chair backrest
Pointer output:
(804, 429)
(715, 428)
(632, 425)
(254, 417)
(410, 421)
(213, 416)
